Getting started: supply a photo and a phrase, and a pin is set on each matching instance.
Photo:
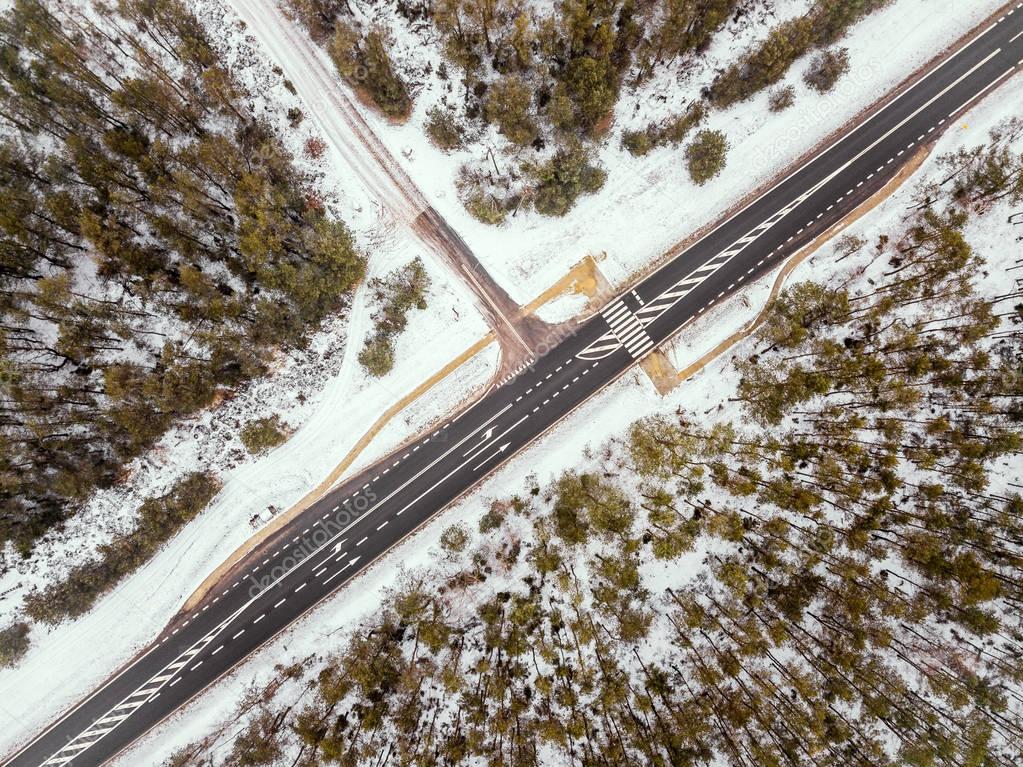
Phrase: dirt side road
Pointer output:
(345, 130)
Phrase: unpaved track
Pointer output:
(344, 128)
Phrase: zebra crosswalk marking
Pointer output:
(627, 329)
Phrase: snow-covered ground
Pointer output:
(576, 441)
(663, 205)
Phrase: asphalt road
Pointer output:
(343, 533)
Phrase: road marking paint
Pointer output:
(280, 603)
(221, 647)
(362, 541)
(259, 618)
(300, 588)
(238, 634)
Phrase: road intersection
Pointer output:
(351, 527)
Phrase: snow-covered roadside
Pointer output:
(321, 393)
(574, 442)
(664, 206)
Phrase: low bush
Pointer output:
(673, 132)
(454, 539)
(563, 179)
(443, 129)
(377, 356)
(768, 62)
(364, 63)
(826, 69)
(781, 99)
(263, 434)
(396, 294)
(706, 156)
(486, 208)
(14, 643)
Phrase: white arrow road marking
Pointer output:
(486, 436)
(454, 471)
(481, 445)
(500, 450)
(351, 562)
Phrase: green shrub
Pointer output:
(831, 18)
(443, 129)
(563, 178)
(637, 142)
(826, 68)
(454, 539)
(493, 519)
(781, 99)
(768, 62)
(706, 156)
(263, 434)
(14, 643)
(764, 65)
(507, 106)
(377, 356)
(672, 132)
(676, 130)
(363, 61)
(398, 293)
(485, 208)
